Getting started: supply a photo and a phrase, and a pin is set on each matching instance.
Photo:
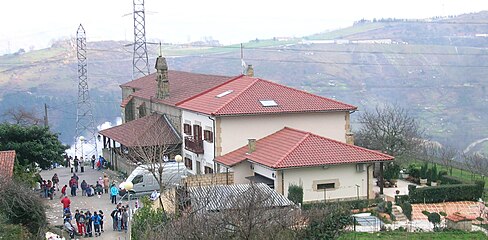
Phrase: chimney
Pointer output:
(350, 138)
(251, 144)
(250, 71)
(162, 78)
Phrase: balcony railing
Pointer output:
(194, 145)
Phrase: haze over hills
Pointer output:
(435, 68)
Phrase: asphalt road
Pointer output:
(55, 213)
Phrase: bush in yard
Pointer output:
(146, 219)
(447, 193)
(326, 223)
(295, 194)
(407, 210)
(435, 219)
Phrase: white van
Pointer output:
(145, 183)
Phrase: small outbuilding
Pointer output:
(459, 221)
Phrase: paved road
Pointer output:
(55, 213)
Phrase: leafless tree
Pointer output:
(247, 215)
(22, 117)
(390, 129)
(476, 164)
(155, 142)
(446, 156)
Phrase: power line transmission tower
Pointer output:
(140, 63)
(84, 115)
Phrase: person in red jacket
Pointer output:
(66, 203)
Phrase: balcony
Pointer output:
(193, 145)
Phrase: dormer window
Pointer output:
(268, 103)
(224, 93)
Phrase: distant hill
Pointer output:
(436, 68)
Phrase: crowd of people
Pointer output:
(87, 223)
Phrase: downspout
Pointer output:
(214, 142)
(283, 182)
(367, 181)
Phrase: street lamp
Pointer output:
(82, 140)
(178, 159)
(128, 186)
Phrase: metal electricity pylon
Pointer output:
(140, 63)
(84, 114)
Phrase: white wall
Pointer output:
(236, 130)
(241, 171)
(346, 173)
(207, 157)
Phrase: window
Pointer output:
(208, 170)
(224, 93)
(208, 136)
(187, 129)
(323, 186)
(137, 179)
(268, 103)
(197, 132)
(189, 163)
(142, 110)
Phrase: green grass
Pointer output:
(416, 235)
(346, 31)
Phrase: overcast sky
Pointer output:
(26, 23)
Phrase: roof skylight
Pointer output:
(224, 93)
(268, 103)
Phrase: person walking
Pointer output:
(96, 223)
(55, 180)
(66, 203)
(82, 164)
(100, 213)
(93, 161)
(63, 191)
(114, 191)
(81, 224)
(84, 186)
(88, 224)
(71, 163)
(106, 182)
(73, 184)
(76, 163)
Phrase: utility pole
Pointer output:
(84, 116)
(140, 62)
(46, 122)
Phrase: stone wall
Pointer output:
(209, 179)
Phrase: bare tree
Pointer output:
(390, 129)
(22, 117)
(155, 142)
(251, 214)
(446, 156)
(476, 164)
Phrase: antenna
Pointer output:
(243, 64)
(84, 116)
(140, 62)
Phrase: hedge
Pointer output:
(400, 199)
(447, 193)
(353, 204)
(450, 180)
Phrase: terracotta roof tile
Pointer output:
(182, 85)
(150, 130)
(289, 148)
(245, 93)
(7, 161)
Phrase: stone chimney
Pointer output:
(162, 78)
(350, 138)
(250, 71)
(251, 144)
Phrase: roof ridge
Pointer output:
(343, 143)
(207, 91)
(254, 80)
(314, 95)
(307, 134)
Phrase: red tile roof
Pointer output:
(245, 93)
(182, 85)
(151, 130)
(7, 160)
(457, 217)
(290, 148)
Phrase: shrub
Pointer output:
(435, 219)
(391, 172)
(389, 207)
(449, 193)
(146, 219)
(295, 194)
(445, 179)
(414, 170)
(433, 174)
(326, 223)
(354, 204)
(407, 210)
(400, 199)
(423, 170)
